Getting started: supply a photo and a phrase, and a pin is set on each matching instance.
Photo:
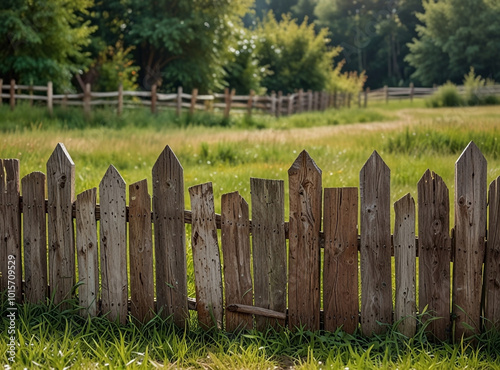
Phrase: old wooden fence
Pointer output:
(275, 104)
(323, 245)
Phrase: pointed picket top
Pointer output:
(471, 153)
(111, 176)
(376, 162)
(167, 160)
(60, 165)
(304, 160)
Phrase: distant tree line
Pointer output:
(246, 44)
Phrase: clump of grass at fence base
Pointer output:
(55, 339)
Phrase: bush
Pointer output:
(447, 95)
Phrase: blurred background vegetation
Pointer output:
(264, 45)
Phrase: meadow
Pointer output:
(409, 137)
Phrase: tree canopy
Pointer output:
(454, 36)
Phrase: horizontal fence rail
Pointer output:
(283, 287)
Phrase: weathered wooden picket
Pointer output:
(267, 282)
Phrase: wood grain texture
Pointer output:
(11, 268)
(235, 238)
(492, 260)
(340, 272)
(304, 253)
(141, 252)
(375, 251)
(34, 237)
(61, 195)
(206, 257)
(405, 256)
(470, 235)
(434, 253)
(113, 227)
(269, 249)
(87, 254)
(170, 238)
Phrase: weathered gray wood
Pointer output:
(375, 250)
(61, 195)
(257, 311)
(113, 234)
(434, 253)
(11, 266)
(492, 260)
(470, 234)
(269, 248)
(170, 238)
(34, 237)
(340, 273)
(206, 257)
(141, 252)
(235, 238)
(86, 246)
(304, 253)
(405, 256)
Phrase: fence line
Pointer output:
(274, 104)
(275, 280)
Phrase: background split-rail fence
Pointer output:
(320, 242)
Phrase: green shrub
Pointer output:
(447, 95)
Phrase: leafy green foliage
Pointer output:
(114, 67)
(43, 41)
(455, 35)
(446, 96)
(295, 55)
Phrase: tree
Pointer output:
(454, 36)
(43, 41)
(183, 42)
(296, 56)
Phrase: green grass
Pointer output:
(52, 339)
(409, 137)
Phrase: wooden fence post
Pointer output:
(154, 98)
(492, 264)
(301, 101)
(206, 257)
(120, 100)
(194, 95)
(228, 98)
(250, 103)
(86, 100)
(375, 253)
(291, 98)
(434, 253)
(279, 104)
(113, 234)
(50, 99)
(12, 94)
(367, 90)
(386, 94)
(273, 104)
(235, 239)
(10, 238)
(470, 234)
(311, 100)
(405, 257)
(335, 104)
(412, 90)
(269, 248)
(340, 274)
(304, 252)
(170, 238)
(86, 245)
(178, 109)
(61, 195)
(142, 290)
(35, 237)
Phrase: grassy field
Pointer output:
(409, 137)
